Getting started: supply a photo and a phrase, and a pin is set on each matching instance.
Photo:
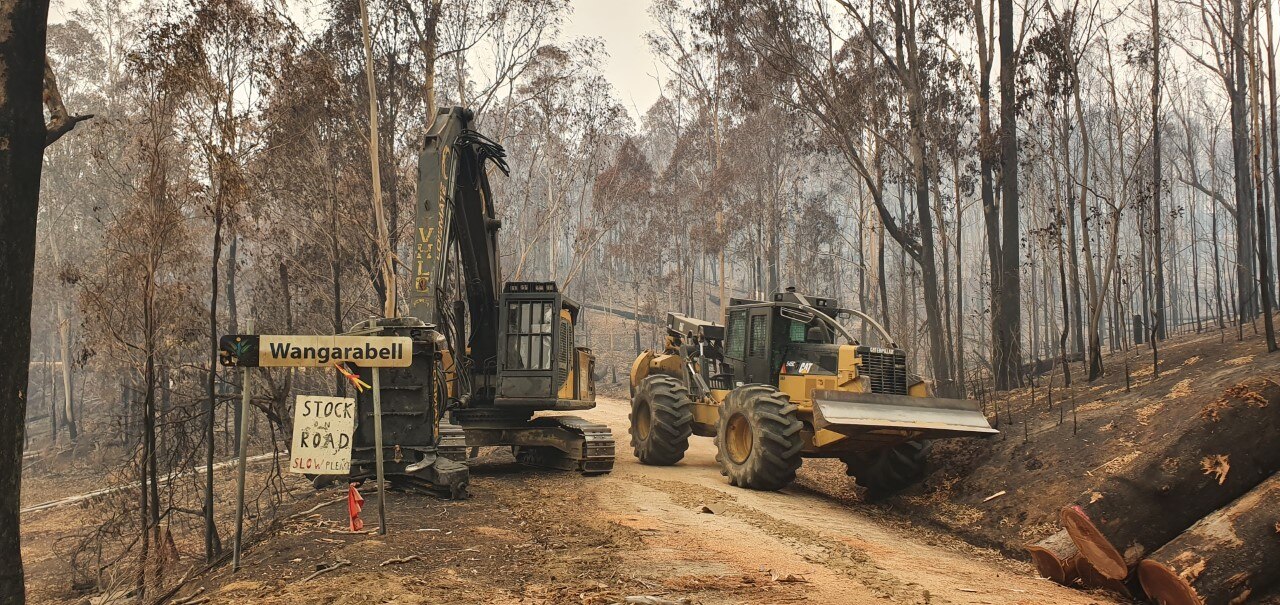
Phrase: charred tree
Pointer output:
(1007, 327)
(26, 81)
(1157, 217)
(22, 135)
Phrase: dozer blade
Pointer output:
(926, 417)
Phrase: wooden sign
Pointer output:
(322, 428)
(307, 351)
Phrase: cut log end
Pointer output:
(1164, 586)
(1091, 578)
(1048, 565)
(1093, 546)
(1055, 558)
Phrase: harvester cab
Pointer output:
(782, 380)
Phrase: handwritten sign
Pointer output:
(322, 428)
(309, 351)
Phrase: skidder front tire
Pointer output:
(661, 420)
(890, 470)
(758, 439)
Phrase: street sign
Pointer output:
(322, 428)
(303, 351)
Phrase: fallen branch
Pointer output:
(398, 561)
(191, 598)
(337, 564)
(318, 507)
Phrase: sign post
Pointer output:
(377, 449)
(245, 394)
(310, 351)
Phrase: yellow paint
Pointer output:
(586, 375)
(800, 387)
(667, 364)
(640, 367)
(920, 389)
(566, 387)
(824, 437)
(450, 371)
(705, 413)
(570, 377)
(847, 369)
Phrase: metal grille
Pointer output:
(565, 354)
(887, 371)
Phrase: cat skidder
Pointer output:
(773, 386)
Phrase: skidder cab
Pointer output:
(782, 380)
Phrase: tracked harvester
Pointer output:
(773, 385)
(487, 356)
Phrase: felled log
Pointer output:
(1091, 578)
(1269, 596)
(1055, 558)
(1226, 449)
(1226, 557)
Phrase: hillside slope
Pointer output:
(1058, 443)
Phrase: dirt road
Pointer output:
(543, 537)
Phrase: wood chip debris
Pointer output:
(1217, 465)
(715, 508)
(995, 495)
(789, 577)
(652, 600)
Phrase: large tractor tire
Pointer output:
(890, 470)
(758, 439)
(661, 420)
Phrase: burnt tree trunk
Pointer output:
(211, 392)
(1222, 455)
(22, 142)
(1223, 558)
(1055, 558)
(1007, 334)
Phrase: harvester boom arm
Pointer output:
(455, 206)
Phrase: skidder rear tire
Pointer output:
(661, 421)
(758, 439)
(890, 470)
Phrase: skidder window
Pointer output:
(736, 339)
(759, 336)
(529, 335)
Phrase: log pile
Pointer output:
(1194, 521)
(1225, 557)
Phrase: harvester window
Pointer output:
(529, 325)
(735, 343)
